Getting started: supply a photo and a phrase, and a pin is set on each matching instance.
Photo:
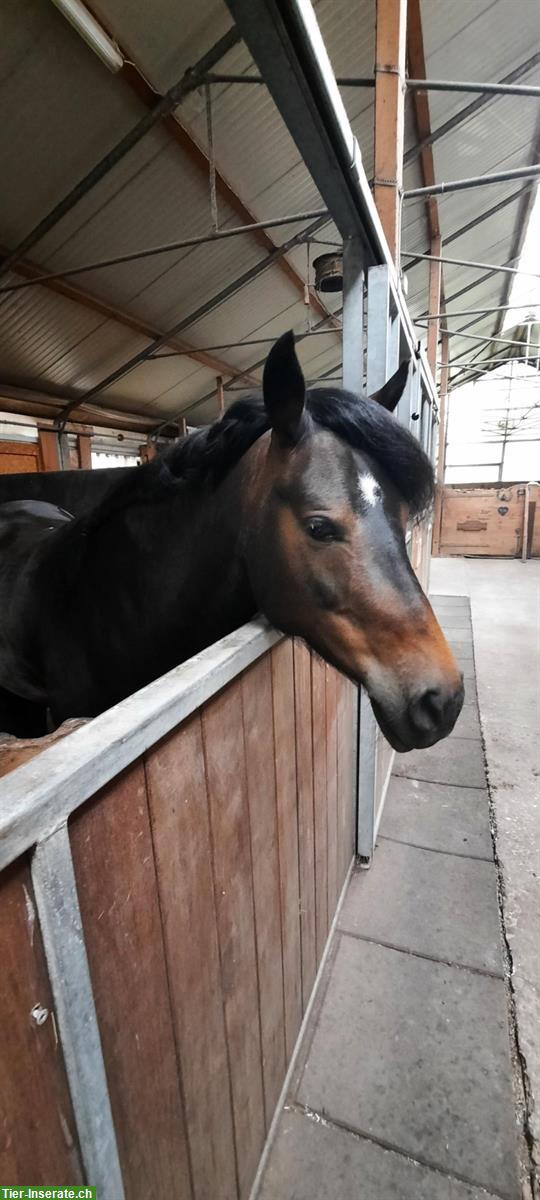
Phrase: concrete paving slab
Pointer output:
(448, 576)
(313, 1160)
(438, 816)
(468, 723)
(428, 903)
(415, 1054)
(461, 639)
(454, 760)
(505, 601)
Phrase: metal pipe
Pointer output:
(479, 220)
(190, 81)
(469, 262)
(481, 337)
(461, 185)
(165, 248)
(342, 81)
(418, 85)
(469, 312)
(191, 318)
(491, 362)
(491, 89)
(239, 345)
(470, 109)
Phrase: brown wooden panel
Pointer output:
(261, 779)
(38, 1144)
(18, 457)
(482, 520)
(116, 880)
(306, 839)
(287, 817)
(49, 450)
(229, 822)
(182, 845)
(331, 788)
(318, 699)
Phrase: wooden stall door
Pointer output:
(208, 877)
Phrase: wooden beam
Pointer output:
(434, 305)
(31, 270)
(420, 103)
(32, 403)
(441, 458)
(391, 16)
(84, 451)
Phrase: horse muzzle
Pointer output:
(423, 718)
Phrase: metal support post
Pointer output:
(55, 891)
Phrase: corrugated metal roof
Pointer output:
(64, 111)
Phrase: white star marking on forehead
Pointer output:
(369, 489)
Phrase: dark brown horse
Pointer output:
(294, 504)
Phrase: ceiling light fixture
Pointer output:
(91, 32)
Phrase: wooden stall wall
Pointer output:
(208, 875)
(488, 519)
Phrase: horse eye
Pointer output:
(321, 529)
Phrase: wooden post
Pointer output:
(183, 427)
(220, 394)
(49, 450)
(84, 451)
(441, 457)
(434, 306)
(389, 117)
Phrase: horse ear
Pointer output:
(284, 390)
(391, 392)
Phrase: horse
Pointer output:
(74, 491)
(295, 504)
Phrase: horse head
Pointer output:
(333, 484)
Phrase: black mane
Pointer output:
(209, 453)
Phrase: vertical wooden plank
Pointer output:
(179, 814)
(84, 450)
(306, 840)
(331, 788)
(261, 780)
(233, 890)
(48, 450)
(38, 1142)
(434, 304)
(116, 880)
(287, 818)
(343, 744)
(318, 698)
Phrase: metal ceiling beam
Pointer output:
(474, 222)
(165, 248)
(469, 262)
(203, 310)
(460, 185)
(470, 110)
(191, 79)
(95, 304)
(491, 89)
(181, 135)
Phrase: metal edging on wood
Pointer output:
(55, 891)
(37, 798)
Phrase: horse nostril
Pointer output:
(428, 711)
